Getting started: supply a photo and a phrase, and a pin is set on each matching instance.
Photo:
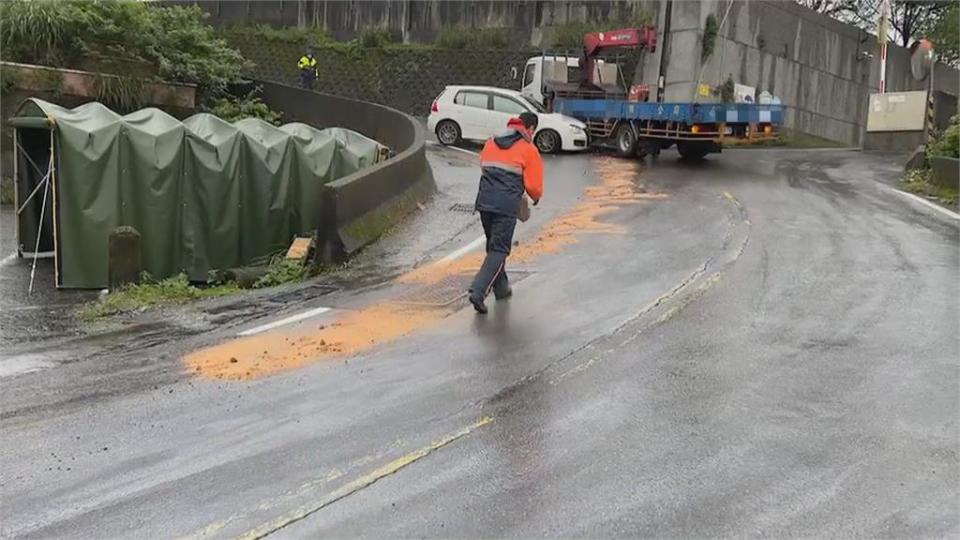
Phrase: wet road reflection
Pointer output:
(520, 411)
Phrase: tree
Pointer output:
(833, 8)
(945, 35)
(913, 18)
(910, 19)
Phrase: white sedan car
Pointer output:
(479, 112)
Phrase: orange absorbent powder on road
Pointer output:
(270, 352)
(355, 331)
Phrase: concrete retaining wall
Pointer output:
(357, 209)
(945, 172)
(820, 68)
(73, 82)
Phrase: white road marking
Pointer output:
(291, 319)
(464, 249)
(945, 211)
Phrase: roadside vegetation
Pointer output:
(151, 293)
(122, 37)
(918, 181)
(128, 43)
(232, 108)
(922, 182)
(372, 39)
(282, 271)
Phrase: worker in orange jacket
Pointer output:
(510, 164)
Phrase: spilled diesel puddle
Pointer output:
(289, 348)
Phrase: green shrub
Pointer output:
(728, 90)
(947, 144)
(710, 32)
(185, 49)
(43, 32)
(122, 94)
(174, 40)
(282, 270)
(173, 290)
(232, 108)
(919, 181)
(374, 38)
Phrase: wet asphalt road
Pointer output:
(772, 350)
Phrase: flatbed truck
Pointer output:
(624, 119)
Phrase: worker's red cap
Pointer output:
(517, 124)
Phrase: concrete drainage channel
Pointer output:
(244, 310)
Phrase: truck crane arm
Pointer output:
(595, 42)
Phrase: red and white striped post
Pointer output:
(883, 30)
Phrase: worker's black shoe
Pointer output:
(503, 294)
(478, 304)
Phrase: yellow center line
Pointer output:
(361, 482)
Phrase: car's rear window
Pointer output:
(470, 98)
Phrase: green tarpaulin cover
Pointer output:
(204, 193)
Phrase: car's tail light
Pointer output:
(435, 107)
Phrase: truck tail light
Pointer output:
(768, 129)
(694, 129)
(435, 107)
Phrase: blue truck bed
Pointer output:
(687, 113)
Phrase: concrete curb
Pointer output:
(357, 209)
(942, 210)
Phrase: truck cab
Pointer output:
(561, 75)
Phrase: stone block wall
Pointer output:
(407, 79)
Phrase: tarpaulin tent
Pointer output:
(203, 193)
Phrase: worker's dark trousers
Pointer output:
(492, 274)
(306, 79)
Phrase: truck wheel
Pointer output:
(692, 151)
(626, 140)
(547, 141)
(448, 132)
